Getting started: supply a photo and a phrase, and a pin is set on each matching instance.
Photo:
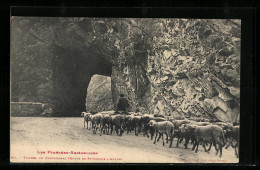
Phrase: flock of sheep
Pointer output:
(199, 132)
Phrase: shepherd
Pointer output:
(122, 104)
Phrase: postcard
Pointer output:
(124, 90)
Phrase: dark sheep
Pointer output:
(212, 134)
(129, 124)
(118, 122)
(106, 123)
(187, 131)
(145, 119)
(137, 124)
(232, 136)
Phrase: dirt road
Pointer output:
(37, 139)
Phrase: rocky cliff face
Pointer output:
(186, 68)
(195, 65)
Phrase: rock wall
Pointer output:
(29, 109)
(181, 67)
(196, 66)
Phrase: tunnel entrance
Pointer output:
(72, 72)
(99, 94)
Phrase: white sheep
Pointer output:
(86, 117)
(164, 127)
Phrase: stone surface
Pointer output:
(30, 109)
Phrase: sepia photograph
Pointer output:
(124, 90)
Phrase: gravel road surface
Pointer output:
(37, 139)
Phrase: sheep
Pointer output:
(118, 121)
(165, 127)
(129, 123)
(212, 134)
(200, 119)
(151, 130)
(180, 134)
(187, 131)
(158, 119)
(158, 115)
(223, 125)
(178, 123)
(106, 122)
(137, 124)
(226, 126)
(145, 119)
(96, 120)
(191, 127)
(86, 118)
(110, 112)
(232, 135)
(201, 123)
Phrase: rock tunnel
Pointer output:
(53, 60)
(63, 91)
(72, 72)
